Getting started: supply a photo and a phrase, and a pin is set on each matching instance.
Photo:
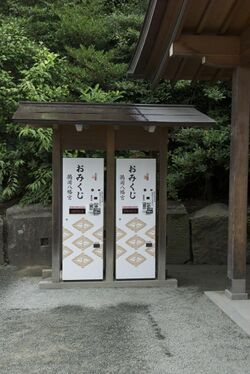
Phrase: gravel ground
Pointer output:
(121, 331)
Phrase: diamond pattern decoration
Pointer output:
(83, 225)
(82, 243)
(151, 251)
(82, 260)
(98, 252)
(120, 234)
(66, 234)
(136, 259)
(136, 224)
(135, 242)
(66, 251)
(98, 234)
(120, 251)
(151, 233)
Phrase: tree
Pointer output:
(28, 71)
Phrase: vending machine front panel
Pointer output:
(83, 190)
(135, 218)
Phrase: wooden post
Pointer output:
(237, 230)
(162, 219)
(110, 204)
(56, 205)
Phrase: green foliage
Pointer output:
(29, 71)
(99, 38)
(197, 160)
(85, 24)
(97, 95)
(97, 66)
(40, 81)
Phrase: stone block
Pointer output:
(1, 242)
(178, 234)
(46, 273)
(209, 227)
(29, 232)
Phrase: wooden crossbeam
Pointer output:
(205, 45)
(222, 62)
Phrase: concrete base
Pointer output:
(236, 296)
(46, 273)
(48, 284)
(236, 289)
(237, 310)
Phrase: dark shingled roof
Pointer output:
(49, 114)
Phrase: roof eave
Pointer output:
(150, 28)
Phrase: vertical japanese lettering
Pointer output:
(69, 186)
(80, 179)
(132, 179)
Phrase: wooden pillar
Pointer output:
(162, 219)
(110, 204)
(237, 233)
(56, 205)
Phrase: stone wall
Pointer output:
(178, 234)
(209, 234)
(201, 236)
(28, 235)
(209, 228)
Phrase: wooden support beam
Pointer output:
(223, 62)
(110, 204)
(205, 45)
(245, 47)
(162, 219)
(237, 229)
(56, 206)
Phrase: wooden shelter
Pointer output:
(207, 40)
(109, 128)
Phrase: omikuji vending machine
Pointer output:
(135, 218)
(83, 205)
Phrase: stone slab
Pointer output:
(209, 227)
(168, 283)
(237, 310)
(209, 230)
(29, 232)
(178, 234)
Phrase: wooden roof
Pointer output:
(192, 39)
(49, 114)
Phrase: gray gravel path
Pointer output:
(121, 331)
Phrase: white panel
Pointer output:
(82, 218)
(135, 218)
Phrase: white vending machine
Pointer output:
(83, 190)
(135, 218)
